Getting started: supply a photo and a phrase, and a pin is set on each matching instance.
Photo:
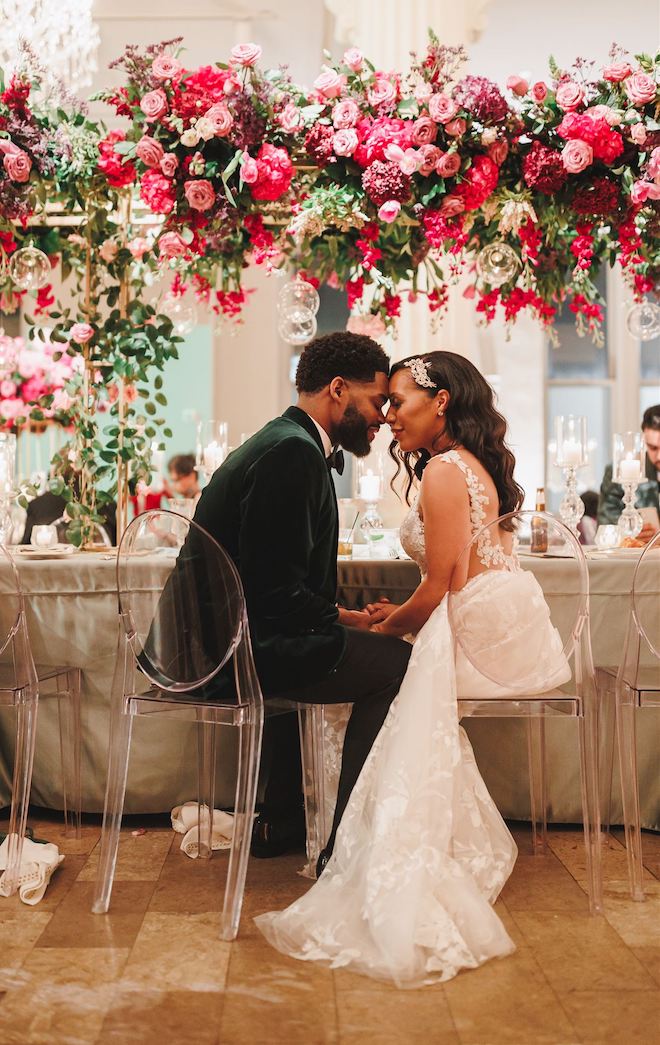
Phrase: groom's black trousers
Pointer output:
(368, 676)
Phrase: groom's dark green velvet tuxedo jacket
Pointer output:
(272, 507)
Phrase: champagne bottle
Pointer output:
(539, 543)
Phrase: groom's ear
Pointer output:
(337, 388)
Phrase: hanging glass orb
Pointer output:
(181, 312)
(298, 294)
(29, 268)
(297, 326)
(497, 264)
(643, 320)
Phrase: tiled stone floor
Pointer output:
(154, 971)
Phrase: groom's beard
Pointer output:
(352, 432)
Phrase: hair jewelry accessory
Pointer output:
(419, 369)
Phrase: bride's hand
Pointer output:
(379, 611)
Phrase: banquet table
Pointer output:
(72, 618)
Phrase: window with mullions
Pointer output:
(649, 388)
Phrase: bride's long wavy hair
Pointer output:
(471, 420)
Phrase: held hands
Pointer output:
(379, 611)
(372, 618)
(354, 618)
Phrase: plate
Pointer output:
(615, 551)
(60, 551)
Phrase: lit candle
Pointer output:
(213, 456)
(630, 469)
(369, 486)
(571, 452)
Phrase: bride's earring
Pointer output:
(440, 413)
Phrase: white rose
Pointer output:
(204, 128)
(190, 137)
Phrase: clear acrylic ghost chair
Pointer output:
(21, 683)
(631, 687)
(529, 691)
(183, 620)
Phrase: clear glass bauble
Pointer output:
(643, 320)
(298, 294)
(180, 311)
(297, 325)
(497, 264)
(29, 268)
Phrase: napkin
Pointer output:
(38, 861)
(185, 820)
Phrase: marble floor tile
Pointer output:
(568, 846)
(650, 959)
(74, 925)
(20, 928)
(178, 953)
(543, 883)
(603, 1016)
(139, 858)
(391, 1017)
(51, 828)
(638, 924)
(156, 1017)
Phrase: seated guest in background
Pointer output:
(49, 507)
(588, 524)
(183, 476)
(610, 504)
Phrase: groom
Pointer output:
(272, 506)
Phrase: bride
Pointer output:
(422, 853)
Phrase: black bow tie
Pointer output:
(336, 460)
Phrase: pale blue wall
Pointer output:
(188, 388)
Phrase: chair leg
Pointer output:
(588, 740)
(26, 722)
(537, 783)
(206, 737)
(311, 721)
(68, 710)
(627, 737)
(606, 731)
(249, 754)
(115, 791)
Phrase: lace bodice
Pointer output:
(489, 554)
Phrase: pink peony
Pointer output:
(603, 112)
(576, 156)
(165, 67)
(81, 333)
(539, 91)
(499, 151)
(18, 165)
(354, 59)
(329, 84)
(638, 133)
(62, 400)
(345, 114)
(370, 326)
(169, 164)
(345, 142)
(154, 104)
(275, 171)
(27, 365)
(640, 88)
(7, 389)
(442, 108)
(408, 162)
(172, 245)
(617, 72)
(157, 192)
(249, 170)
(220, 119)
(449, 164)
(389, 212)
(570, 95)
(456, 127)
(378, 134)
(517, 84)
(425, 131)
(430, 154)
(149, 151)
(290, 119)
(138, 247)
(199, 193)
(246, 54)
(10, 409)
(108, 251)
(382, 93)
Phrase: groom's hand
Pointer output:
(354, 618)
(379, 611)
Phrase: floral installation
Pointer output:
(36, 382)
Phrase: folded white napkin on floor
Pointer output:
(185, 821)
(38, 861)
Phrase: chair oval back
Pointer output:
(11, 599)
(646, 595)
(518, 623)
(180, 598)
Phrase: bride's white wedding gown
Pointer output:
(422, 852)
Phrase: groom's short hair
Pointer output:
(355, 357)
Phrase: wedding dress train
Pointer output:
(422, 852)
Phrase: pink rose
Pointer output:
(353, 59)
(246, 54)
(220, 119)
(10, 409)
(569, 95)
(442, 108)
(654, 162)
(430, 154)
(149, 151)
(7, 389)
(290, 119)
(27, 365)
(169, 164)
(643, 191)
(249, 170)
(370, 326)
(345, 142)
(638, 133)
(389, 211)
(517, 84)
(345, 114)
(329, 83)
(62, 400)
(165, 67)
(81, 333)
(456, 127)
(108, 250)
(425, 131)
(640, 88)
(154, 104)
(18, 165)
(138, 247)
(199, 193)
(381, 92)
(576, 155)
(172, 245)
(448, 164)
(617, 72)
(603, 112)
(451, 206)
(499, 151)
(539, 91)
